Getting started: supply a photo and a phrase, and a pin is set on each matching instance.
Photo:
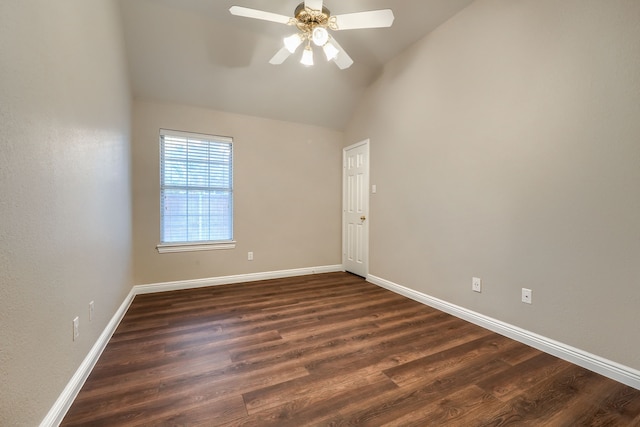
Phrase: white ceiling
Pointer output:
(195, 52)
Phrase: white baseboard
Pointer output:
(227, 280)
(608, 368)
(68, 395)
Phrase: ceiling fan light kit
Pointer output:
(313, 21)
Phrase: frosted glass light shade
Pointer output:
(307, 57)
(330, 51)
(292, 42)
(320, 36)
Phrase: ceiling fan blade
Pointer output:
(258, 14)
(313, 4)
(280, 57)
(371, 19)
(343, 61)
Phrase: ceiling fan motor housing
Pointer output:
(309, 18)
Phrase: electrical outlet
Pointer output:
(91, 310)
(526, 295)
(250, 256)
(476, 284)
(76, 328)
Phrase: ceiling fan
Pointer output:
(312, 20)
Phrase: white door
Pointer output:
(355, 208)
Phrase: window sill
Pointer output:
(164, 248)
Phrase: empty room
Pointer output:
(310, 213)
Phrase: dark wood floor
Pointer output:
(329, 349)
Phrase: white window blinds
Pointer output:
(196, 185)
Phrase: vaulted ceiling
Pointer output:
(195, 52)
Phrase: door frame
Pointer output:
(366, 144)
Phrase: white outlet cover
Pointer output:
(527, 295)
(476, 284)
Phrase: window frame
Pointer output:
(195, 245)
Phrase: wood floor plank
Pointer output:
(540, 403)
(314, 389)
(447, 410)
(308, 411)
(522, 376)
(329, 349)
(473, 352)
(393, 349)
(610, 405)
(385, 408)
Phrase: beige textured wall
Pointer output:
(65, 216)
(506, 145)
(287, 190)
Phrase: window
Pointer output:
(196, 192)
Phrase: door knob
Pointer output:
(362, 218)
